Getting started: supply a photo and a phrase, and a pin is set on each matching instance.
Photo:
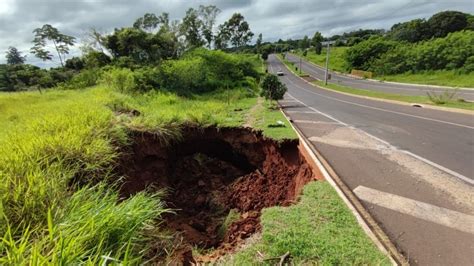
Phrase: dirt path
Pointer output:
(250, 119)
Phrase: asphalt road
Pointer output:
(416, 157)
(318, 72)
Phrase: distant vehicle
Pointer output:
(280, 73)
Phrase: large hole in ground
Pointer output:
(217, 181)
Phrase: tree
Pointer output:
(60, 41)
(148, 22)
(190, 28)
(208, 16)
(75, 63)
(316, 41)
(14, 56)
(139, 46)
(258, 44)
(272, 88)
(304, 43)
(412, 31)
(238, 30)
(445, 22)
(222, 38)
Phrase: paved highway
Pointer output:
(318, 72)
(412, 168)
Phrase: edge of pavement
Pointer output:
(363, 217)
(427, 106)
(391, 82)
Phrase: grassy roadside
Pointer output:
(396, 97)
(319, 230)
(438, 77)
(292, 67)
(336, 63)
(388, 96)
(49, 139)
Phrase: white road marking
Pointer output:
(380, 109)
(301, 112)
(435, 165)
(315, 122)
(453, 219)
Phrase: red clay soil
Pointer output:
(210, 173)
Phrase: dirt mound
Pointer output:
(218, 181)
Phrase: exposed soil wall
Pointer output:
(218, 181)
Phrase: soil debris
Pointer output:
(217, 181)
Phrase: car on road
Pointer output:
(280, 73)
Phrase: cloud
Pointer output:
(275, 19)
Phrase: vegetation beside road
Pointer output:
(442, 100)
(436, 51)
(318, 230)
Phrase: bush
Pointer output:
(272, 88)
(361, 55)
(86, 78)
(449, 53)
(120, 79)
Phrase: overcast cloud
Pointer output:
(273, 18)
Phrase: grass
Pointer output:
(319, 230)
(397, 97)
(336, 59)
(438, 77)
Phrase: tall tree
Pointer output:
(148, 22)
(238, 29)
(208, 16)
(222, 38)
(14, 56)
(316, 40)
(258, 44)
(304, 43)
(61, 43)
(190, 28)
(445, 22)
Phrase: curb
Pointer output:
(363, 217)
(425, 106)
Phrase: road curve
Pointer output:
(402, 89)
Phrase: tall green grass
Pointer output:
(58, 204)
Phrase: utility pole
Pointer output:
(300, 64)
(327, 65)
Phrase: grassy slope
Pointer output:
(388, 96)
(46, 140)
(438, 77)
(336, 62)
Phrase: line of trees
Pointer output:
(150, 40)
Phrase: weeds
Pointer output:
(448, 95)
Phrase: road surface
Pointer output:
(412, 168)
(318, 72)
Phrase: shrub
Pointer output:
(120, 79)
(362, 54)
(86, 78)
(272, 88)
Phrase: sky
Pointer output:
(275, 19)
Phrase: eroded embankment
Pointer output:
(218, 181)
